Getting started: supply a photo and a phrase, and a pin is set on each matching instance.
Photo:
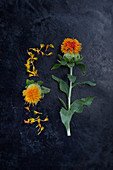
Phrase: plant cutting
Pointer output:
(71, 58)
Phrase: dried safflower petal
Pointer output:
(42, 53)
(27, 108)
(47, 46)
(42, 45)
(50, 53)
(35, 112)
(52, 46)
(26, 121)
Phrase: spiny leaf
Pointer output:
(85, 82)
(62, 62)
(55, 66)
(45, 89)
(40, 83)
(63, 102)
(60, 57)
(87, 101)
(62, 84)
(81, 66)
(72, 78)
(28, 82)
(77, 105)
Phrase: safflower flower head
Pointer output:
(71, 45)
(32, 94)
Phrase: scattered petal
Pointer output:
(50, 53)
(35, 58)
(52, 46)
(47, 46)
(27, 108)
(42, 45)
(30, 75)
(42, 53)
(26, 121)
(35, 112)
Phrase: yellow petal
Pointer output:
(32, 120)
(52, 46)
(42, 53)
(29, 71)
(34, 49)
(50, 53)
(33, 68)
(24, 92)
(35, 112)
(26, 121)
(42, 128)
(46, 119)
(27, 108)
(31, 54)
(39, 133)
(30, 75)
(35, 58)
(42, 45)
(47, 47)
(38, 51)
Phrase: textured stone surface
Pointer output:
(27, 23)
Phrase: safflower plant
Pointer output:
(34, 91)
(71, 58)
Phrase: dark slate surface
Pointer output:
(27, 23)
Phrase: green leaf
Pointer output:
(60, 57)
(42, 94)
(62, 62)
(87, 101)
(77, 105)
(28, 82)
(40, 83)
(72, 78)
(85, 82)
(45, 90)
(66, 116)
(62, 84)
(63, 102)
(71, 65)
(55, 66)
(81, 66)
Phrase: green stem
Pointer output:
(68, 132)
(70, 89)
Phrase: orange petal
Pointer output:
(26, 121)
(27, 108)
(50, 53)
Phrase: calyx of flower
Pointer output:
(72, 58)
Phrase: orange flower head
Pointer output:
(32, 94)
(71, 45)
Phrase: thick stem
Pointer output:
(70, 89)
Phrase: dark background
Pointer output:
(25, 24)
